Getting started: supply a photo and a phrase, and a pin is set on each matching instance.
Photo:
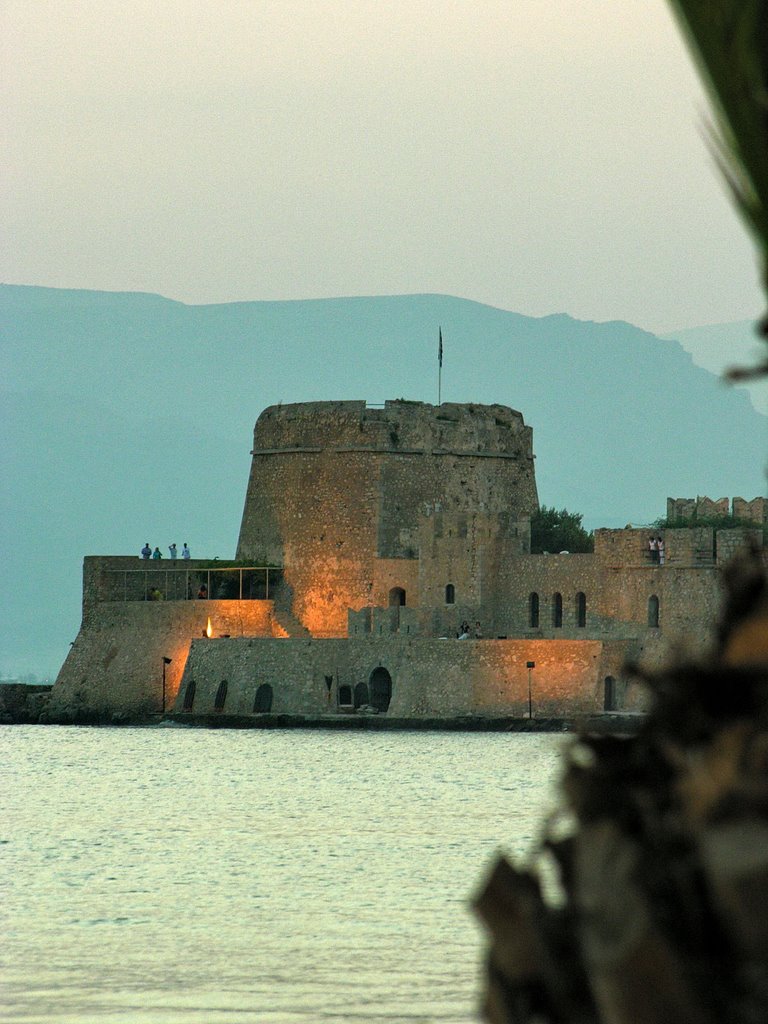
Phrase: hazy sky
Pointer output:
(538, 155)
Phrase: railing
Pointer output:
(246, 583)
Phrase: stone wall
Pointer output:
(617, 592)
(616, 603)
(429, 678)
(754, 511)
(115, 666)
(391, 526)
(337, 487)
(729, 542)
(629, 548)
(20, 702)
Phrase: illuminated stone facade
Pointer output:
(339, 494)
(385, 529)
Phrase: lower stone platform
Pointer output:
(626, 724)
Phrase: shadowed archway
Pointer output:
(609, 694)
(262, 702)
(361, 695)
(189, 695)
(381, 688)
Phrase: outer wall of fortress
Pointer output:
(116, 666)
(390, 526)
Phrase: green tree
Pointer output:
(559, 530)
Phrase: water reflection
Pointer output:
(153, 875)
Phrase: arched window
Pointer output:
(609, 696)
(221, 696)
(533, 611)
(450, 594)
(396, 597)
(361, 695)
(653, 611)
(189, 695)
(581, 609)
(381, 688)
(262, 702)
(345, 696)
(557, 610)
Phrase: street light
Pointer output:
(166, 661)
(530, 665)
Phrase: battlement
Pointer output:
(702, 507)
(400, 427)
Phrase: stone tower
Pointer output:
(339, 492)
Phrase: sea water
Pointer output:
(190, 876)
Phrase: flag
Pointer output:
(440, 348)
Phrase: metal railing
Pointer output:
(240, 583)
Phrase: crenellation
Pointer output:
(701, 507)
(754, 511)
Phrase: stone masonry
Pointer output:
(338, 492)
(368, 536)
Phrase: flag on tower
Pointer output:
(440, 347)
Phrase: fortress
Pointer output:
(368, 536)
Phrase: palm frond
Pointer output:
(729, 40)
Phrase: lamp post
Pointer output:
(166, 661)
(530, 665)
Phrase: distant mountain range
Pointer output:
(718, 347)
(128, 417)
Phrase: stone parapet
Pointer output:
(429, 678)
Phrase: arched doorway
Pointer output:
(189, 695)
(396, 597)
(609, 696)
(653, 611)
(345, 696)
(221, 696)
(380, 688)
(262, 702)
(533, 611)
(361, 695)
(557, 610)
(581, 610)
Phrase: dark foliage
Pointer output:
(556, 530)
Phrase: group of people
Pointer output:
(147, 552)
(656, 548)
(467, 633)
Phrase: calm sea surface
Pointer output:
(183, 876)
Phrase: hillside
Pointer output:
(716, 347)
(129, 418)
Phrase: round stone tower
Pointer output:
(337, 488)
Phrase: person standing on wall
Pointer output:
(156, 553)
(146, 551)
(172, 551)
(185, 551)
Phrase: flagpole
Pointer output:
(439, 365)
